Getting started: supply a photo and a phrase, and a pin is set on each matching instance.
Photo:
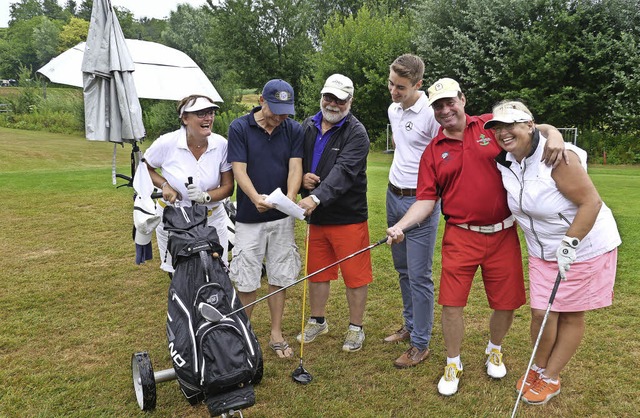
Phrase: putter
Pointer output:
(219, 316)
(535, 346)
(300, 374)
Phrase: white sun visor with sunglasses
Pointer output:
(508, 116)
(200, 103)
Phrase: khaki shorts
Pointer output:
(273, 242)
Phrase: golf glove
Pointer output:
(566, 255)
(197, 195)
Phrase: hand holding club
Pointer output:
(197, 195)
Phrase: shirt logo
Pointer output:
(408, 126)
(484, 141)
(445, 156)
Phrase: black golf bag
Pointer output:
(217, 363)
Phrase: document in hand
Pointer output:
(284, 204)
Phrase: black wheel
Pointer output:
(144, 383)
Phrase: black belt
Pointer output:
(401, 192)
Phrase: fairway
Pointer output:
(75, 306)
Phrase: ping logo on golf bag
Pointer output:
(213, 300)
(179, 361)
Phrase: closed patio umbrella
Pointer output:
(112, 109)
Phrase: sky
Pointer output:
(140, 8)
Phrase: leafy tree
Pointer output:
(268, 39)
(24, 10)
(564, 58)
(361, 47)
(71, 6)
(149, 29)
(191, 31)
(22, 47)
(73, 33)
(52, 10)
(84, 10)
(45, 37)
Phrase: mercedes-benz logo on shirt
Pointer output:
(408, 126)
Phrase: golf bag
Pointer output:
(214, 362)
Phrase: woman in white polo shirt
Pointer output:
(191, 151)
(569, 231)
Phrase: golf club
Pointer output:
(212, 314)
(300, 374)
(535, 346)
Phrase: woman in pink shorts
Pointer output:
(569, 231)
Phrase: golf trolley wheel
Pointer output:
(144, 383)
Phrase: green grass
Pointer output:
(74, 307)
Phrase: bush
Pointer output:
(619, 149)
(159, 117)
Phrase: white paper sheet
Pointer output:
(284, 204)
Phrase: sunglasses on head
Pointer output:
(331, 98)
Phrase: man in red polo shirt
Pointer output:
(459, 167)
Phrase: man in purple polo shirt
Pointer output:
(265, 151)
(336, 146)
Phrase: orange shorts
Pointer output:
(330, 243)
(499, 257)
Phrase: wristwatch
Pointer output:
(571, 242)
(315, 199)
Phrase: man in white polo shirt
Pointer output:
(413, 126)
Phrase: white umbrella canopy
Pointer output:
(111, 107)
(161, 72)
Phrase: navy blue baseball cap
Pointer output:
(279, 94)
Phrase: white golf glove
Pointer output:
(197, 195)
(566, 255)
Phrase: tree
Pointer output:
(191, 31)
(24, 10)
(45, 37)
(269, 39)
(84, 10)
(52, 10)
(71, 6)
(361, 47)
(561, 57)
(73, 33)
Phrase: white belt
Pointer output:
(490, 229)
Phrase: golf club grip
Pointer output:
(190, 181)
(404, 231)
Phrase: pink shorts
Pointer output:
(330, 243)
(589, 284)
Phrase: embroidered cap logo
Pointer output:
(283, 96)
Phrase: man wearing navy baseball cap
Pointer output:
(265, 151)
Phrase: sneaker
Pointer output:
(532, 376)
(448, 384)
(312, 330)
(402, 334)
(495, 366)
(541, 392)
(354, 339)
(412, 357)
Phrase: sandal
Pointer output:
(280, 348)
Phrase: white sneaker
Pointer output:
(495, 366)
(312, 330)
(354, 339)
(448, 384)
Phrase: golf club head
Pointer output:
(301, 376)
(209, 313)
